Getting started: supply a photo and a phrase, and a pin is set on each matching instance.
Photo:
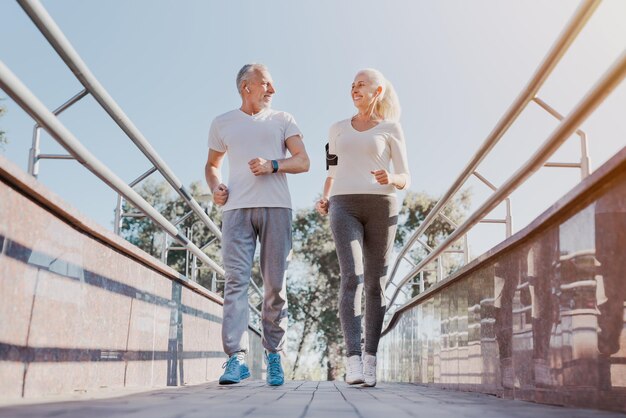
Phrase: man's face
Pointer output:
(261, 88)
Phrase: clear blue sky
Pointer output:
(457, 66)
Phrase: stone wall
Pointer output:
(81, 309)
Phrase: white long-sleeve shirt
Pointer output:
(360, 153)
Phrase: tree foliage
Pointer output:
(313, 289)
(314, 297)
(145, 234)
(415, 208)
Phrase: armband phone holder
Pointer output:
(331, 159)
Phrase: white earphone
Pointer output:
(247, 89)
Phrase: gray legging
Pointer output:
(364, 227)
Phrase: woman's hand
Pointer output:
(322, 206)
(382, 176)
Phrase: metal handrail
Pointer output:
(584, 164)
(609, 81)
(558, 49)
(118, 205)
(51, 31)
(34, 155)
(31, 105)
(46, 119)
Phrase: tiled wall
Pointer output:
(541, 319)
(78, 314)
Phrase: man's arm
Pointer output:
(212, 173)
(299, 160)
(297, 163)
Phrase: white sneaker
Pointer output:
(369, 370)
(354, 370)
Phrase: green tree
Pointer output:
(313, 291)
(415, 208)
(314, 297)
(145, 234)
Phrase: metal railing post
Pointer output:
(584, 165)
(596, 95)
(20, 94)
(117, 222)
(164, 252)
(34, 155)
(508, 220)
(585, 162)
(187, 254)
(466, 254)
(51, 31)
(120, 201)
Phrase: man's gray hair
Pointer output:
(246, 72)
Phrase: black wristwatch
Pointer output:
(274, 166)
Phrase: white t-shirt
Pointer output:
(359, 153)
(244, 137)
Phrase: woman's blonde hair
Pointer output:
(387, 104)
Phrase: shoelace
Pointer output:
(369, 369)
(273, 366)
(230, 365)
(354, 367)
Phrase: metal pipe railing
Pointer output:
(31, 105)
(48, 27)
(118, 205)
(564, 130)
(585, 164)
(34, 155)
(558, 49)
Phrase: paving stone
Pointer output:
(254, 399)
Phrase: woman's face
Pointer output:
(364, 92)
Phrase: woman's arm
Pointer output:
(401, 178)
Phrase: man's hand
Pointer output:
(322, 206)
(220, 194)
(260, 166)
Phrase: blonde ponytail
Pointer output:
(387, 105)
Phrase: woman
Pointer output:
(359, 194)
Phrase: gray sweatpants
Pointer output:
(364, 227)
(240, 230)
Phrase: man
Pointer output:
(256, 205)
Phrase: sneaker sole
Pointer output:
(368, 385)
(228, 382)
(232, 382)
(355, 382)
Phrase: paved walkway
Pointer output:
(298, 399)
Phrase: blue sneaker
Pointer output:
(235, 369)
(275, 374)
